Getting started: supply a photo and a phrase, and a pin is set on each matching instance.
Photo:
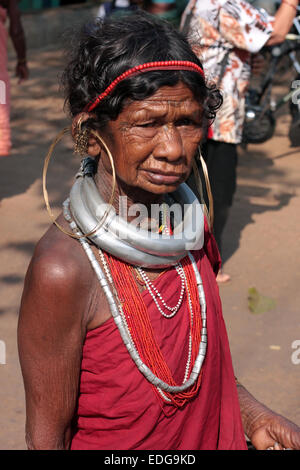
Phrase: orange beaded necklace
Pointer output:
(141, 330)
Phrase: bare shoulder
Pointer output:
(60, 258)
(59, 277)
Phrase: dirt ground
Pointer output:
(262, 248)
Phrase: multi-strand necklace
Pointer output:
(136, 320)
(174, 309)
(164, 228)
(132, 319)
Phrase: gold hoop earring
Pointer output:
(45, 192)
(209, 212)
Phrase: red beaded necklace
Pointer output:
(148, 66)
(141, 330)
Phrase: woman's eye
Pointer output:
(186, 122)
(146, 124)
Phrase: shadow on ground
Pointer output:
(269, 185)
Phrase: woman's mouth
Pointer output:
(158, 177)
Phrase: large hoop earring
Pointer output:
(209, 212)
(45, 192)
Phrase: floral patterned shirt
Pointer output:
(223, 34)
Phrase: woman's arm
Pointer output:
(263, 427)
(283, 21)
(51, 332)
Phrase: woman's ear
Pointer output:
(77, 121)
(85, 142)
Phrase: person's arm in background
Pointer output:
(283, 21)
(18, 39)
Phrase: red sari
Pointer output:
(118, 408)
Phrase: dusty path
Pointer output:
(261, 240)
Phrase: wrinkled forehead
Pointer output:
(178, 99)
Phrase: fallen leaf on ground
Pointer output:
(258, 303)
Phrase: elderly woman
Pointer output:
(121, 336)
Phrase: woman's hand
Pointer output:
(265, 428)
(277, 433)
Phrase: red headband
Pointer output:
(168, 65)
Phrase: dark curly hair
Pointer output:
(104, 49)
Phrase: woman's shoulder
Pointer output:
(59, 259)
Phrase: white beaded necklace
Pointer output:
(153, 291)
(155, 294)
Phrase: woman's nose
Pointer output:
(170, 145)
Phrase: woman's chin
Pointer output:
(158, 189)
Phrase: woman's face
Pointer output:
(153, 142)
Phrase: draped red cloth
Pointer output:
(118, 408)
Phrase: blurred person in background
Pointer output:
(225, 34)
(117, 7)
(9, 8)
(169, 10)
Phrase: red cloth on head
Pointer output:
(117, 406)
